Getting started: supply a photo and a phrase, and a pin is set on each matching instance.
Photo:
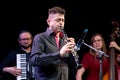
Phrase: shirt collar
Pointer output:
(50, 32)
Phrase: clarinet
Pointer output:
(76, 57)
(74, 52)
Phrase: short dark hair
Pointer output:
(23, 31)
(55, 10)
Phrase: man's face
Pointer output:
(25, 40)
(56, 22)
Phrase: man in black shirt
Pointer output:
(8, 65)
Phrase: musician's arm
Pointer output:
(40, 54)
(79, 73)
(10, 57)
(114, 44)
(118, 48)
(12, 70)
(43, 59)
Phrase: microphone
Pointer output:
(99, 51)
(80, 41)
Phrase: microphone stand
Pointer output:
(101, 53)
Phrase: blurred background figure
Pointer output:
(8, 66)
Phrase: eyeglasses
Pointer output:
(25, 39)
(97, 40)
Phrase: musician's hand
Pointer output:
(13, 70)
(114, 44)
(71, 40)
(67, 48)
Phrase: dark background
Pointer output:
(95, 16)
(32, 15)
